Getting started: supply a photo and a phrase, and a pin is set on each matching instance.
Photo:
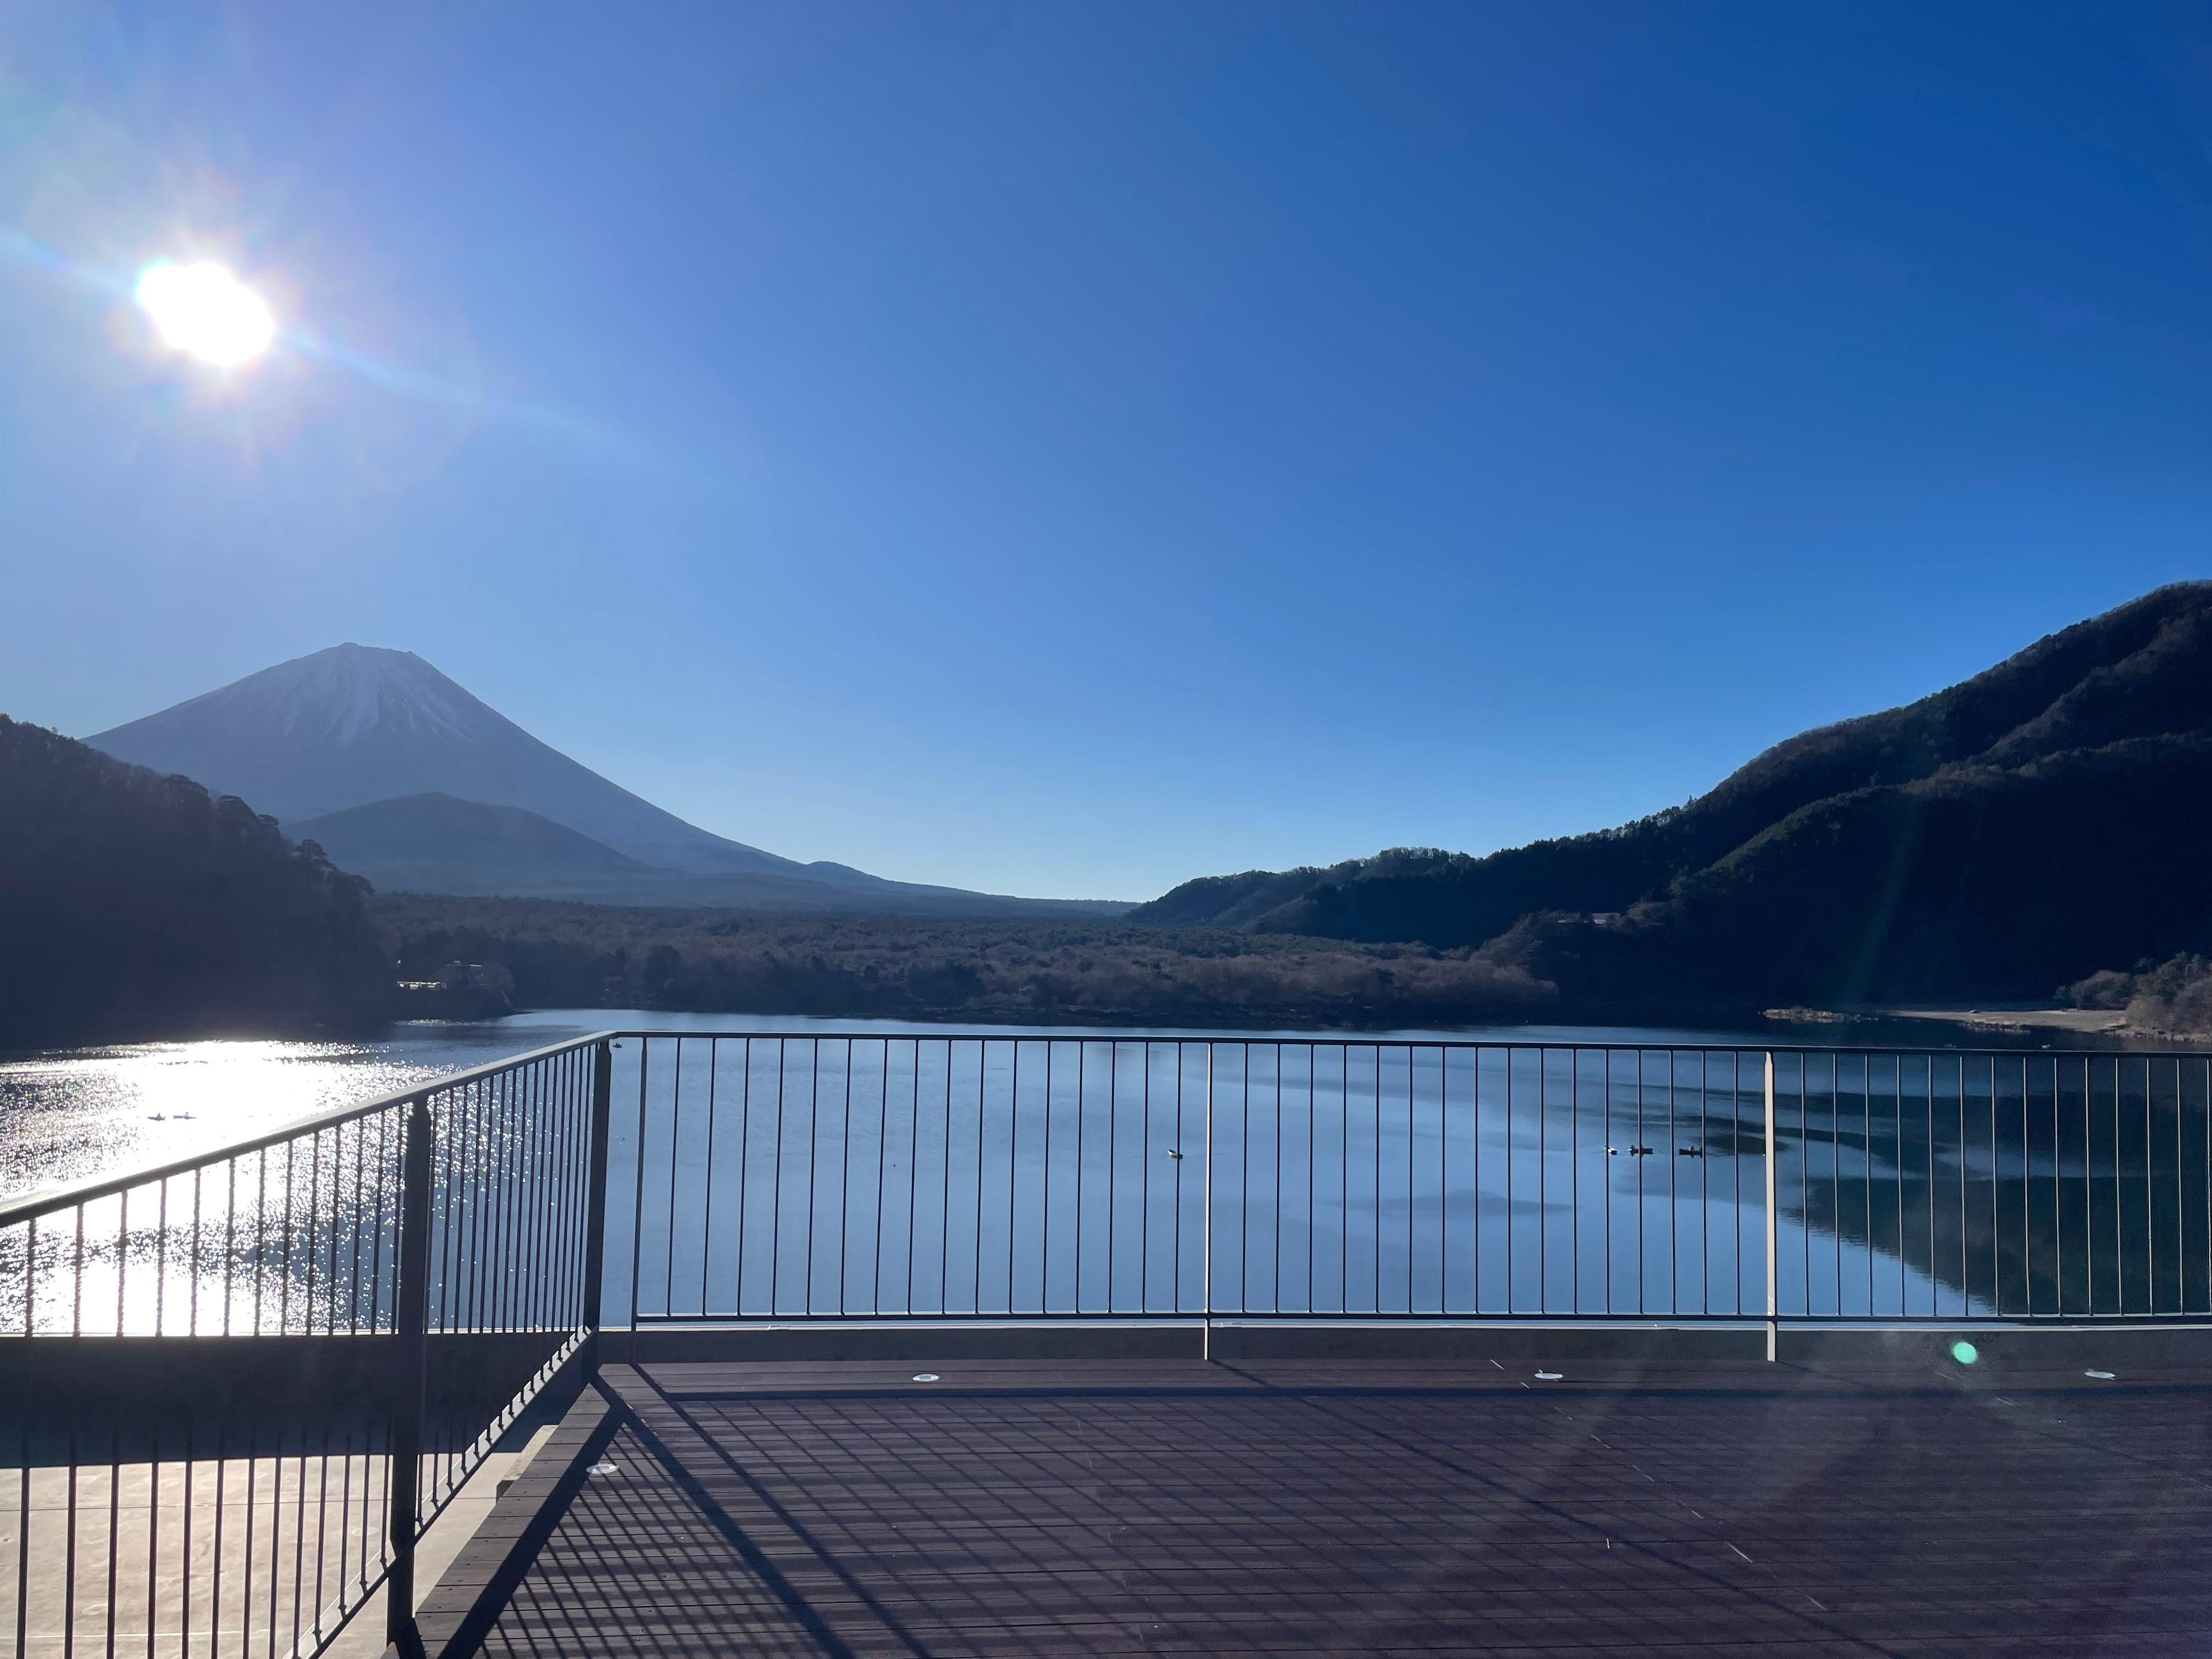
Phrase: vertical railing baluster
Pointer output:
(675, 1163)
(882, 1134)
(982, 1072)
(1206, 1271)
(1114, 1155)
(1474, 1181)
(1773, 1230)
(1705, 1182)
(813, 1178)
(637, 1198)
(410, 1381)
(1543, 1183)
(595, 1194)
(2180, 1225)
(913, 1157)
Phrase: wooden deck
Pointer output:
(1313, 1508)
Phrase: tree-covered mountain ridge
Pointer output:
(133, 904)
(2001, 836)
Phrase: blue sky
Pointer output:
(1068, 448)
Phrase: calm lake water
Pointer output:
(78, 1114)
(873, 1167)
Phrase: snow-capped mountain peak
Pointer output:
(355, 724)
(340, 695)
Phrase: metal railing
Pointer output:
(254, 1377)
(247, 1382)
(777, 1176)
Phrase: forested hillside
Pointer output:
(568, 955)
(137, 905)
(2011, 833)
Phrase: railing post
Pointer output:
(1773, 1236)
(1206, 1304)
(595, 1191)
(412, 1326)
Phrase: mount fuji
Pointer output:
(408, 779)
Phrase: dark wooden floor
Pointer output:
(1167, 1507)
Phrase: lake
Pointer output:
(75, 1115)
(868, 1167)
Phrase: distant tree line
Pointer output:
(2171, 998)
(136, 905)
(574, 955)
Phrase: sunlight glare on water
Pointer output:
(87, 1112)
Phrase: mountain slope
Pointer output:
(1238, 901)
(1976, 883)
(435, 843)
(135, 905)
(356, 727)
(355, 724)
(1952, 846)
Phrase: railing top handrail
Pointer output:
(1350, 1040)
(31, 1206)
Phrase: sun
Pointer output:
(204, 310)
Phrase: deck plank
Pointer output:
(1333, 1507)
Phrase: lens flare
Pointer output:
(202, 309)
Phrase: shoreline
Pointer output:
(2100, 1022)
(2088, 1022)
